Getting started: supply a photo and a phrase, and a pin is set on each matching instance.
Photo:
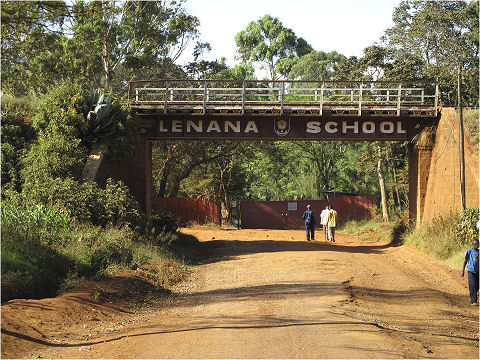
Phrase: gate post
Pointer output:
(143, 167)
(419, 158)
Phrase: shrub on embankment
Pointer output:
(57, 230)
(446, 238)
(44, 251)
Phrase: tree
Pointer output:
(317, 65)
(31, 44)
(102, 43)
(269, 43)
(440, 34)
(381, 182)
(130, 35)
(16, 134)
(175, 161)
(324, 156)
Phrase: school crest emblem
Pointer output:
(282, 126)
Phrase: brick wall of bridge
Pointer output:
(443, 186)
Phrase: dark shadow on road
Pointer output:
(220, 250)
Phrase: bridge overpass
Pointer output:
(300, 110)
(279, 110)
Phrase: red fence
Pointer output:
(288, 214)
(186, 210)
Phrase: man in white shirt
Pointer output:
(323, 221)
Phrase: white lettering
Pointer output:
(235, 127)
(331, 127)
(399, 128)
(213, 126)
(196, 127)
(368, 127)
(177, 126)
(387, 127)
(354, 127)
(161, 128)
(251, 126)
(313, 127)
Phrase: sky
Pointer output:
(346, 26)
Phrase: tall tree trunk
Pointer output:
(224, 193)
(381, 182)
(395, 184)
(391, 160)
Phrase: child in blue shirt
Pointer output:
(471, 257)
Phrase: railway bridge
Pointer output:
(284, 110)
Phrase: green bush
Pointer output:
(113, 206)
(161, 222)
(29, 253)
(119, 208)
(109, 253)
(446, 236)
(43, 252)
(399, 230)
(60, 111)
(54, 156)
(466, 225)
(16, 134)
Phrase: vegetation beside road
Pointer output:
(446, 238)
(58, 229)
(46, 252)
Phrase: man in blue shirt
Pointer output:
(309, 223)
(471, 257)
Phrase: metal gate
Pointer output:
(288, 214)
(186, 210)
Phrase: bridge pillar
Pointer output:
(419, 158)
(143, 169)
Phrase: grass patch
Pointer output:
(209, 225)
(43, 256)
(445, 238)
(367, 229)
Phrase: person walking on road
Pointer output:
(471, 257)
(309, 223)
(323, 222)
(332, 219)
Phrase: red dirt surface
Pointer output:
(261, 294)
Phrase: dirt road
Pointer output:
(270, 294)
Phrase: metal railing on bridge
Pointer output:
(285, 97)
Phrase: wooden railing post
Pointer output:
(205, 91)
(360, 100)
(321, 97)
(166, 98)
(243, 98)
(282, 95)
(399, 98)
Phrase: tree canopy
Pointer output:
(47, 45)
(274, 46)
